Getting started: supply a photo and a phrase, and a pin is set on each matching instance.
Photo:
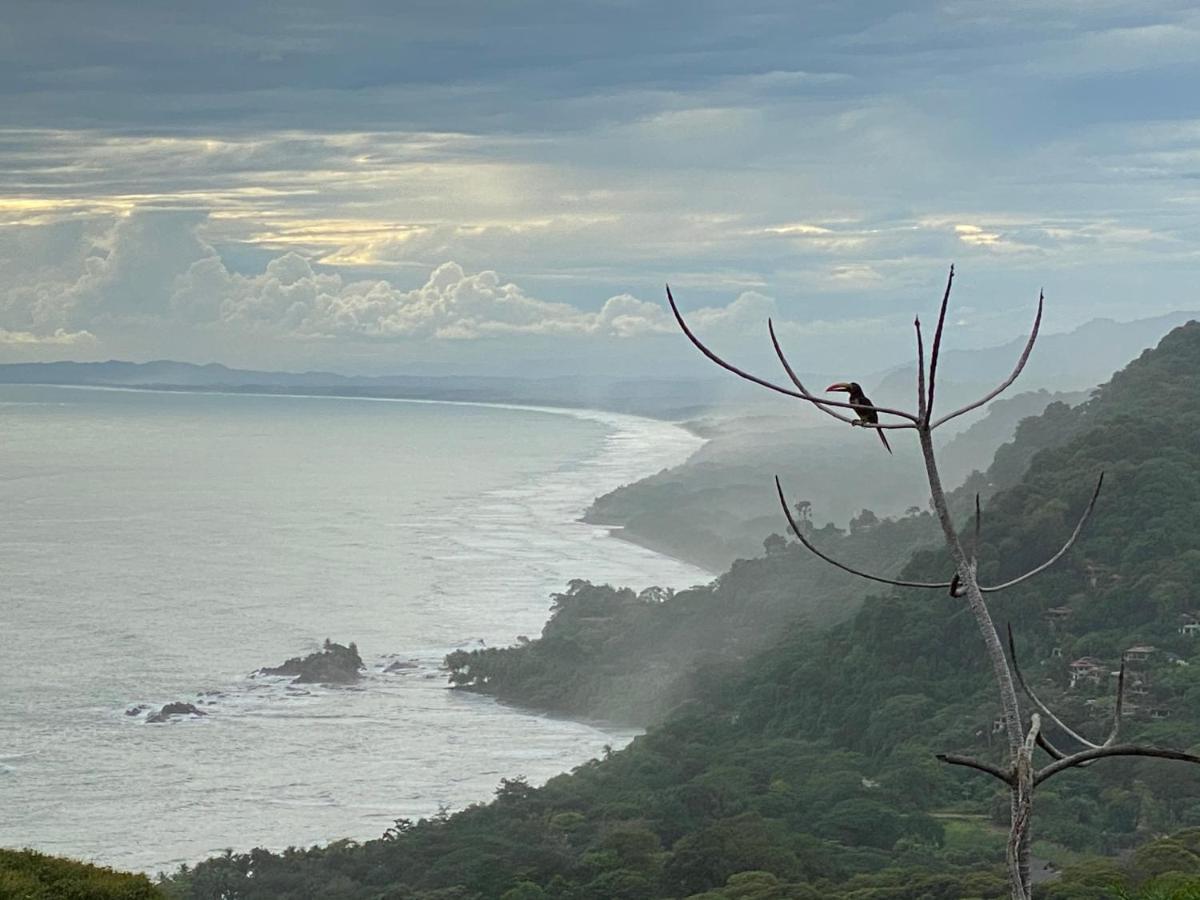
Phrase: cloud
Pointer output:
(292, 299)
(57, 338)
(154, 267)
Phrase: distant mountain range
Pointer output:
(1068, 361)
(660, 398)
(1073, 360)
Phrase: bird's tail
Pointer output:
(883, 437)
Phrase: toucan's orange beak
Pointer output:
(839, 386)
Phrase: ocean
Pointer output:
(159, 547)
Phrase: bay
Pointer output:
(162, 546)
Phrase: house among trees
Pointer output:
(1138, 688)
(1087, 668)
(1189, 624)
(1139, 653)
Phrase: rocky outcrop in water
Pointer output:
(175, 709)
(334, 664)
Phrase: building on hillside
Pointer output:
(1189, 624)
(1137, 688)
(1139, 653)
(1087, 669)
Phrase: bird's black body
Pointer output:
(863, 407)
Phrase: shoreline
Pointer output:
(620, 533)
(626, 447)
(678, 415)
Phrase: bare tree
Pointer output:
(1019, 774)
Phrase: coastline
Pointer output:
(620, 533)
(507, 525)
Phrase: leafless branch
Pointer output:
(833, 562)
(1065, 547)
(1036, 701)
(1044, 743)
(791, 373)
(1092, 753)
(922, 409)
(1037, 322)
(741, 373)
(937, 345)
(954, 759)
(1035, 729)
(770, 385)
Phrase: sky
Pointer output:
(504, 187)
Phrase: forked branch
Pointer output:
(1065, 547)
(795, 379)
(1092, 751)
(1083, 757)
(987, 398)
(1037, 701)
(954, 759)
(778, 388)
(799, 532)
(937, 347)
(954, 584)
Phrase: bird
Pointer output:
(863, 407)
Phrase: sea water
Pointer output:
(159, 547)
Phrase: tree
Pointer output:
(1022, 733)
(774, 544)
(864, 521)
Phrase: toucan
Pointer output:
(863, 407)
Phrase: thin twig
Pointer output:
(1092, 753)
(1037, 322)
(1065, 547)
(791, 373)
(937, 345)
(1045, 710)
(822, 403)
(720, 362)
(922, 409)
(833, 562)
(1044, 743)
(742, 373)
(954, 759)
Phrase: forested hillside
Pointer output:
(609, 653)
(808, 770)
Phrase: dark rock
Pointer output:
(334, 664)
(401, 665)
(136, 710)
(175, 709)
